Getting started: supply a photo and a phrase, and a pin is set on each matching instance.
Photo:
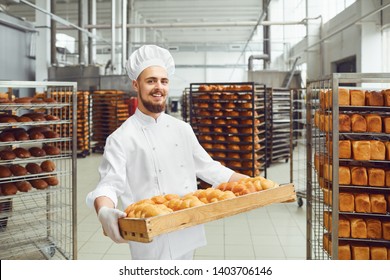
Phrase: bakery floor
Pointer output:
(274, 232)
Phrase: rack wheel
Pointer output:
(300, 201)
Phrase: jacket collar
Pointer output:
(146, 120)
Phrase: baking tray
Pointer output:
(144, 230)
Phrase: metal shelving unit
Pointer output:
(229, 121)
(40, 223)
(326, 211)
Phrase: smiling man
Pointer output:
(152, 154)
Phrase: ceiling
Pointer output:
(173, 23)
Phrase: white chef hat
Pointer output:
(149, 55)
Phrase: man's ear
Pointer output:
(135, 85)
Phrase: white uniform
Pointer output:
(147, 157)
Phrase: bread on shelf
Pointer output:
(357, 97)
(378, 203)
(386, 230)
(344, 251)
(360, 252)
(377, 150)
(387, 145)
(374, 228)
(359, 176)
(378, 253)
(387, 178)
(374, 123)
(362, 203)
(386, 97)
(344, 175)
(358, 123)
(346, 202)
(361, 150)
(374, 98)
(386, 124)
(344, 98)
(344, 123)
(358, 228)
(345, 149)
(376, 177)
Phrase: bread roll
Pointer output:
(358, 123)
(36, 117)
(362, 203)
(52, 181)
(51, 134)
(377, 150)
(39, 184)
(374, 228)
(346, 202)
(48, 166)
(358, 228)
(51, 150)
(360, 252)
(8, 189)
(37, 152)
(18, 170)
(378, 203)
(359, 176)
(344, 123)
(7, 155)
(7, 119)
(374, 123)
(386, 230)
(5, 172)
(36, 135)
(376, 177)
(24, 119)
(361, 150)
(7, 137)
(374, 98)
(23, 186)
(21, 136)
(378, 253)
(33, 168)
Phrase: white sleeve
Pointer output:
(207, 169)
(112, 172)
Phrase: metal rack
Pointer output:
(41, 222)
(324, 190)
(109, 112)
(279, 146)
(229, 121)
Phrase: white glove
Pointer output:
(108, 217)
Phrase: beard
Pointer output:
(152, 107)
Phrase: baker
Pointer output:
(151, 154)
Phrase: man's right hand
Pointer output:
(108, 217)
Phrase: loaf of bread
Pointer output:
(386, 124)
(362, 203)
(5, 172)
(387, 178)
(23, 186)
(37, 152)
(361, 150)
(358, 123)
(344, 175)
(7, 155)
(346, 202)
(328, 171)
(18, 170)
(360, 252)
(374, 98)
(345, 149)
(344, 227)
(386, 230)
(344, 251)
(387, 145)
(376, 177)
(21, 153)
(327, 195)
(8, 188)
(328, 125)
(378, 203)
(359, 176)
(377, 150)
(386, 97)
(52, 181)
(378, 253)
(374, 229)
(39, 184)
(374, 123)
(344, 123)
(358, 228)
(357, 97)
(344, 98)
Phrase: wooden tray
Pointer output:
(143, 230)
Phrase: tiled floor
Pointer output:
(273, 232)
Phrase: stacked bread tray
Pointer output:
(144, 230)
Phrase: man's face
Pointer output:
(152, 86)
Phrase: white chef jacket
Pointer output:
(145, 157)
